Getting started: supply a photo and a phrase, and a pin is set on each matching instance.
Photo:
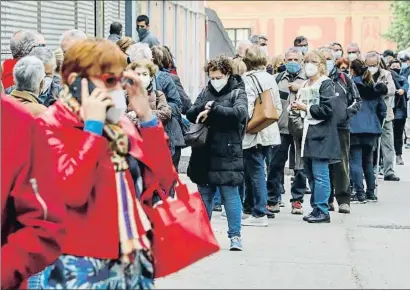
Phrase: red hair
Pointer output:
(342, 61)
(92, 57)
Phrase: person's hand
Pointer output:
(294, 87)
(400, 91)
(138, 97)
(203, 115)
(94, 106)
(297, 105)
(209, 105)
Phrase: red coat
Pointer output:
(31, 221)
(7, 77)
(88, 178)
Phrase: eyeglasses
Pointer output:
(110, 80)
(39, 45)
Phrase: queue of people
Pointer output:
(101, 122)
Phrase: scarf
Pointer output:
(133, 232)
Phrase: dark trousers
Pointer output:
(398, 130)
(339, 173)
(276, 172)
(176, 157)
(361, 161)
(292, 156)
(255, 183)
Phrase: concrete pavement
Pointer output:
(368, 249)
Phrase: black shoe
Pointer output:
(283, 191)
(307, 191)
(331, 207)
(371, 198)
(319, 217)
(313, 213)
(269, 214)
(358, 199)
(217, 208)
(247, 212)
(392, 177)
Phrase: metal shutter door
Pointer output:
(86, 17)
(16, 15)
(114, 11)
(56, 17)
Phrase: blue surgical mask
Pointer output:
(304, 49)
(293, 67)
(330, 65)
(404, 66)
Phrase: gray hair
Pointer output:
(353, 45)
(373, 55)
(72, 33)
(139, 51)
(328, 50)
(242, 44)
(45, 55)
(22, 42)
(294, 50)
(402, 54)
(28, 74)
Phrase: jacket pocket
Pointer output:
(317, 132)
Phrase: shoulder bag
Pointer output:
(264, 113)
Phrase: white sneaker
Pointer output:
(255, 221)
(223, 213)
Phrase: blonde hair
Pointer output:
(276, 61)
(124, 43)
(144, 64)
(59, 54)
(238, 67)
(320, 58)
(255, 58)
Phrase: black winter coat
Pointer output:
(220, 161)
(322, 140)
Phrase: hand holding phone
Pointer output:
(96, 104)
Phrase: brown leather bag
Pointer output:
(264, 113)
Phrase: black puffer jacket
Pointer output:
(220, 161)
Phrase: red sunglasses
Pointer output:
(110, 80)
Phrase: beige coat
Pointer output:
(386, 78)
(29, 100)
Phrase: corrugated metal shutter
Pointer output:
(56, 17)
(86, 17)
(114, 11)
(16, 15)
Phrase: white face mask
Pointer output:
(311, 69)
(264, 49)
(120, 105)
(146, 80)
(352, 57)
(219, 84)
(373, 70)
(47, 84)
(338, 54)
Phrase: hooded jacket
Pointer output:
(220, 161)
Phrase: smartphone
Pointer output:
(75, 88)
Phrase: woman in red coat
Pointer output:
(31, 213)
(105, 162)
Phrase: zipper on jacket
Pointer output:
(40, 200)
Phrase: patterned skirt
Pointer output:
(71, 272)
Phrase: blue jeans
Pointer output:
(317, 171)
(218, 198)
(231, 201)
(255, 183)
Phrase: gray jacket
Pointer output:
(386, 78)
(114, 37)
(286, 96)
(150, 39)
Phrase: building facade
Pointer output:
(178, 24)
(320, 22)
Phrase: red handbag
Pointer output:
(182, 230)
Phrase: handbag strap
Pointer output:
(257, 84)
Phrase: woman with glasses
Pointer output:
(320, 142)
(107, 241)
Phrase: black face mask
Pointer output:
(281, 68)
(128, 60)
(346, 72)
(396, 70)
(269, 69)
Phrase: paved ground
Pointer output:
(370, 248)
